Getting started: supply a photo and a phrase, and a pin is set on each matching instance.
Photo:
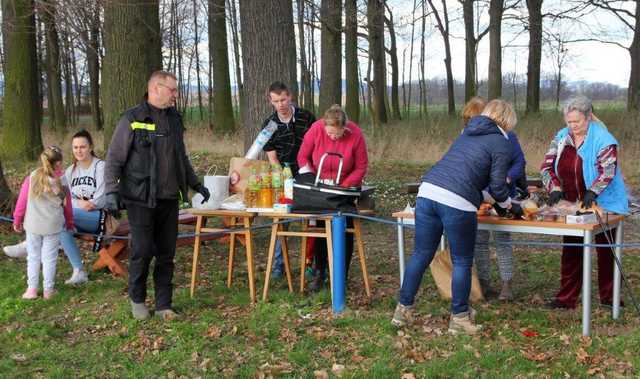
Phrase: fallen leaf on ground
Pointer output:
(408, 375)
(320, 374)
(214, 332)
(337, 369)
(18, 357)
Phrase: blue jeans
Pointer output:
(460, 226)
(85, 222)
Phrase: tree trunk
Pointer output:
(57, 120)
(235, 34)
(93, 66)
(196, 42)
(352, 102)
(470, 88)
(21, 129)
(265, 57)
(131, 54)
(306, 85)
(413, 25)
(633, 95)
(422, 83)
(375, 19)
(443, 27)
(5, 194)
(496, 8)
(330, 54)
(393, 55)
(535, 55)
(222, 106)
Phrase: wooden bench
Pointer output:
(112, 255)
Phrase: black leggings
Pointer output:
(320, 251)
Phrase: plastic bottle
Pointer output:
(262, 138)
(276, 182)
(251, 192)
(265, 197)
(287, 176)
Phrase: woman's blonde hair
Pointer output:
(43, 175)
(502, 113)
(335, 116)
(472, 108)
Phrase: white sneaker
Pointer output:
(78, 277)
(16, 251)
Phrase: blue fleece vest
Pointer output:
(614, 197)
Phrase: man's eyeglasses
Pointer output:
(172, 89)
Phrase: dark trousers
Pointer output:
(153, 235)
(571, 271)
(320, 250)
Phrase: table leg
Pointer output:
(357, 227)
(400, 228)
(586, 283)
(303, 256)
(616, 271)
(272, 248)
(285, 256)
(232, 251)
(196, 251)
(327, 228)
(249, 250)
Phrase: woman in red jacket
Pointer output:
(335, 134)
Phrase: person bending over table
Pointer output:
(581, 165)
(335, 134)
(448, 199)
(516, 179)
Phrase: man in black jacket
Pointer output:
(148, 171)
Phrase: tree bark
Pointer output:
(5, 194)
(496, 9)
(21, 137)
(265, 57)
(352, 100)
(235, 34)
(393, 55)
(330, 54)
(132, 49)
(196, 42)
(470, 88)
(633, 95)
(57, 119)
(93, 65)
(306, 85)
(413, 25)
(375, 19)
(535, 55)
(222, 107)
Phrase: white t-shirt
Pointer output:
(86, 184)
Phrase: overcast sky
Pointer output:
(591, 61)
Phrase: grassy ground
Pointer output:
(87, 331)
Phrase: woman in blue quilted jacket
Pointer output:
(448, 200)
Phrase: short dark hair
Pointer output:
(278, 87)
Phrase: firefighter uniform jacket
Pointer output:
(132, 159)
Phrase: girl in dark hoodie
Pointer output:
(448, 200)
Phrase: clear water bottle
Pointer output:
(262, 138)
(287, 177)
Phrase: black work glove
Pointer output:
(502, 212)
(112, 204)
(589, 199)
(202, 190)
(516, 210)
(554, 197)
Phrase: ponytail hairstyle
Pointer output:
(83, 133)
(45, 179)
